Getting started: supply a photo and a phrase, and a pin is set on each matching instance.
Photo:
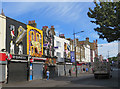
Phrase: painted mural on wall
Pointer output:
(15, 36)
(12, 29)
(18, 42)
(34, 41)
(48, 41)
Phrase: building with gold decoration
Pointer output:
(34, 41)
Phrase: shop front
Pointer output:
(18, 69)
(60, 66)
(68, 66)
(50, 65)
(36, 68)
(35, 50)
(3, 67)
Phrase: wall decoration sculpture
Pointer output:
(34, 41)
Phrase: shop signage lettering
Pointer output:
(18, 57)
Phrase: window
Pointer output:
(32, 50)
(58, 54)
(37, 38)
(45, 52)
(58, 43)
(32, 35)
(40, 37)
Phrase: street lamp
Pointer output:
(75, 50)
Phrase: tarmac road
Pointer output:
(114, 82)
(84, 80)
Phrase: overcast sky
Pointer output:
(65, 16)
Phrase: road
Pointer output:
(85, 80)
(92, 82)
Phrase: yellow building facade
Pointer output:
(34, 41)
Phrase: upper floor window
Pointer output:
(58, 43)
(37, 38)
(32, 35)
(40, 37)
(58, 54)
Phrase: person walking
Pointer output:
(48, 73)
(69, 72)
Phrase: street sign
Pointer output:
(72, 56)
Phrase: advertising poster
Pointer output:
(72, 56)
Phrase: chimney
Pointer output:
(2, 13)
(87, 39)
(53, 29)
(96, 40)
(52, 26)
(61, 36)
(32, 23)
(45, 27)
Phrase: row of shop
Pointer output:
(26, 68)
(30, 52)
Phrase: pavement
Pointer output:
(55, 82)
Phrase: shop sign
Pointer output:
(67, 60)
(19, 57)
(2, 56)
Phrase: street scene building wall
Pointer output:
(62, 48)
(40, 50)
(2, 32)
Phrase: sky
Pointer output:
(66, 16)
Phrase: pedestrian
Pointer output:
(48, 73)
(83, 69)
(86, 69)
(69, 72)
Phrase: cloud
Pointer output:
(110, 49)
(94, 35)
(64, 12)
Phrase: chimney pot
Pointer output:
(87, 38)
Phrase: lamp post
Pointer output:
(75, 50)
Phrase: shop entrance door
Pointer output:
(37, 71)
(17, 72)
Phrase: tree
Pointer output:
(107, 17)
(112, 59)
